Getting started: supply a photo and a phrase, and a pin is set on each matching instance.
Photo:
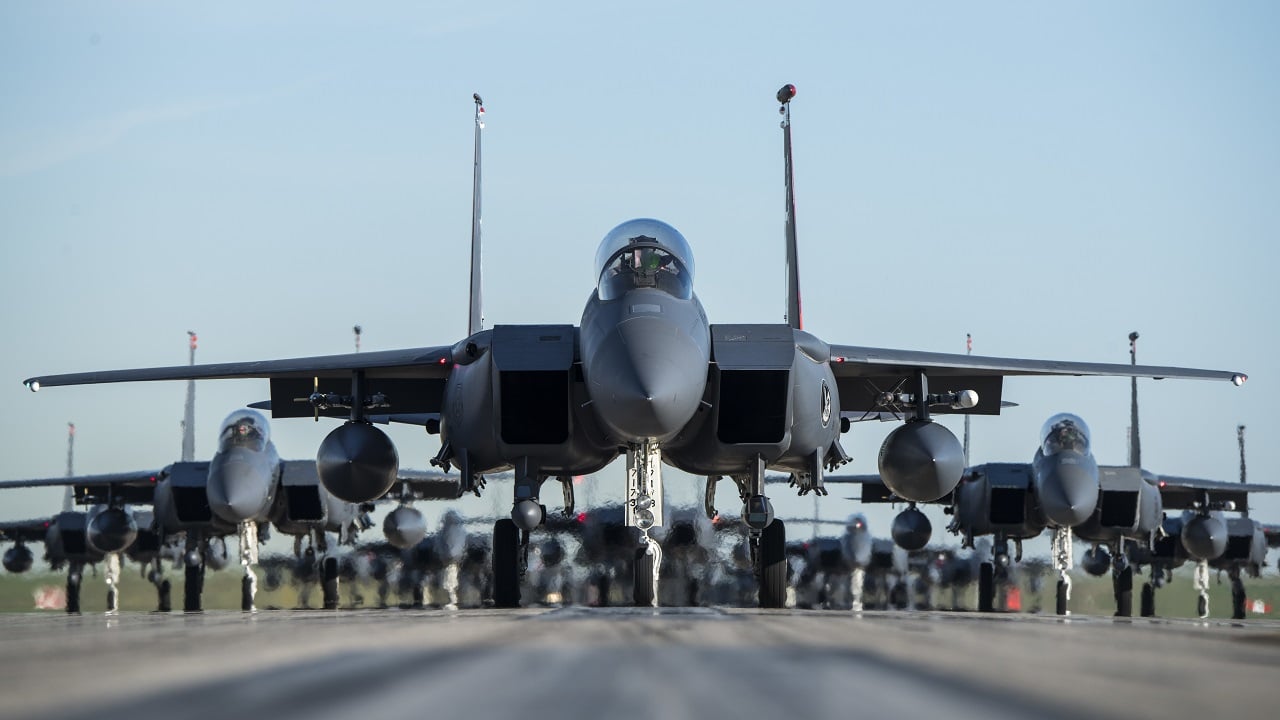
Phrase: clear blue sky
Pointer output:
(1046, 178)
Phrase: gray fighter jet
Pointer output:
(646, 375)
(244, 486)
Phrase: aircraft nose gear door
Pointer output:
(644, 511)
(1063, 560)
(113, 582)
(248, 558)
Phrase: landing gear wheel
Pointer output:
(986, 587)
(643, 585)
(1237, 599)
(163, 592)
(1124, 592)
(329, 582)
(1061, 605)
(1202, 606)
(73, 592)
(193, 588)
(506, 567)
(773, 565)
(112, 600)
(246, 593)
(1148, 600)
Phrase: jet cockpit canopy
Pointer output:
(244, 428)
(1064, 431)
(644, 253)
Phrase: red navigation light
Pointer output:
(582, 518)
(444, 361)
(153, 479)
(1163, 484)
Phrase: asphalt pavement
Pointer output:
(631, 663)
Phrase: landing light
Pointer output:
(1236, 380)
(34, 385)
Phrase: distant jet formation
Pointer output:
(244, 486)
(645, 375)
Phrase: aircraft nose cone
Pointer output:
(647, 379)
(239, 486)
(1069, 491)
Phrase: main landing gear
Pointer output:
(75, 575)
(766, 536)
(1122, 581)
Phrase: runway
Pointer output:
(631, 663)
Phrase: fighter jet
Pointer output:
(644, 374)
(244, 486)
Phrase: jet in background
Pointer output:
(243, 487)
(646, 375)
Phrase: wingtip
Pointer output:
(32, 384)
(1239, 379)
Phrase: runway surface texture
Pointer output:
(631, 663)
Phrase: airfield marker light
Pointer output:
(785, 93)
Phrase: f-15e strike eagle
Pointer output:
(646, 375)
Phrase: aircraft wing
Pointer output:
(131, 488)
(862, 373)
(426, 485)
(25, 530)
(1181, 493)
(412, 380)
(873, 488)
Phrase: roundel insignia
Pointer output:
(826, 404)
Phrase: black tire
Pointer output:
(642, 580)
(1124, 592)
(986, 587)
(329, 582)
(163, 593)
(773, 565)
(1237, 599)
(419, 596)
(506, 567)
(1061, 605)
(112, 600)
(73, 592)
(1202, 606)
(1148, 608)
(193, 588)
(246, 594)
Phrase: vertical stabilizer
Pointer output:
(795, 317)
(189, 412)
(968, 350)
(1243, 473)
(475, 322)
(67, 497)
(1135, 441)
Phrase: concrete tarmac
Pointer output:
(632, 663)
